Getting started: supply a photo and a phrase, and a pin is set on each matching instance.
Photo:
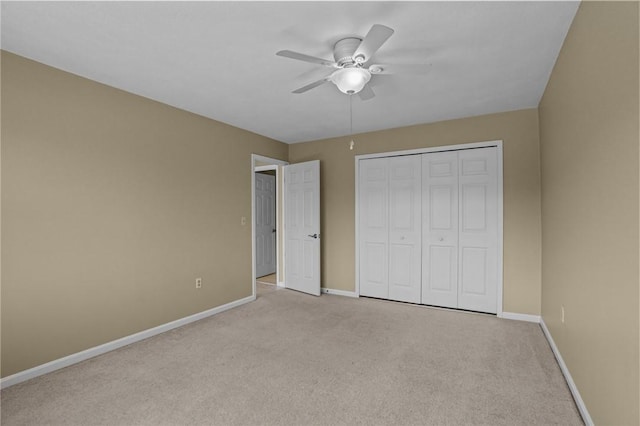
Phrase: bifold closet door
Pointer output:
(478, 230)
(440, 229)
(373, 216)
(460, 229)
(428, 228)
(390, 223)
(405, 228)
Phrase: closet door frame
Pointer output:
(497, 144)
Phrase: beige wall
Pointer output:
(112, 205)
(518, 130)
(589, 158)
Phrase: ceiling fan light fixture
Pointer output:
(350, 80)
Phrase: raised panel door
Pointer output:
(478, 233)
(405, 228)
(373, 216)
(440, 229)
(302, 227)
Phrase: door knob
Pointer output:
(273, 230)
(314, 236)
(441, 239)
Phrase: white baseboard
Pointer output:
(339, 292)
(567, 375)
(280, 284)
(521, 317)
(115, 344)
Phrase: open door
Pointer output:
(302, 227)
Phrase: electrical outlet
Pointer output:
(562, 312)
(243, 221)
(198, 282)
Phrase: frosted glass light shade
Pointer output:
(350, 80)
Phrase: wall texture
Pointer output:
(112, 205)
(589, 157)
(518, 130)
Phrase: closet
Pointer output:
(428, 228)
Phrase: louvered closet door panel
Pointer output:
(373, 213)
(440, 229)
(478, 225)
(405, 228)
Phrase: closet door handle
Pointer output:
(313, 236)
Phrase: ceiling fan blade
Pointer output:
(375, 38)
(311, 85)
(381, 69)
(366, 93)
(306, 58)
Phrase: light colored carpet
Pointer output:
(262, 288)
(294, 359)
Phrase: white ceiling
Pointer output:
(218, 59)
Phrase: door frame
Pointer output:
(273, 165)
(498, 145)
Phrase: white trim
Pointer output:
(273, 166)
(280, 213)
(338, 292)
(265, 168)
(567, 376)
(444, 148)
(499, 152)
(115, 344)
(357, 222)
(520, 317)
(500, 291)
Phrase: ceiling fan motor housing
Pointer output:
(344, 49)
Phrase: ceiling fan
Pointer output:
(353, 67)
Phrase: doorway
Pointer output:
(267, 246)
(265, 231)
(297, 194)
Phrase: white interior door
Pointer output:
(265, 205)
(373, 193)
(478, 230)
(440, 229)
(405, 228)
(302, 227)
